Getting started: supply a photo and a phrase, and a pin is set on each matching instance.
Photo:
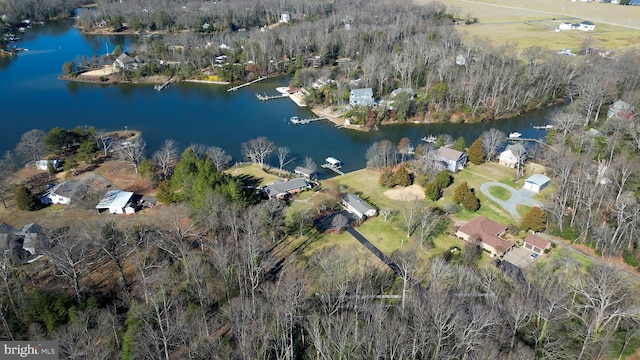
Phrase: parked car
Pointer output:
(534, 255)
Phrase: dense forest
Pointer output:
(215, 276)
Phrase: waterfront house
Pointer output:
(536, 183)
(357, 206)
(361, 97)
(536, 244)
(117, 202)
(60, 193)
(621, 110)
(513, 155)
(305, 173)
(282, 189)
(454, 160)
(487, 233)
(125, 62)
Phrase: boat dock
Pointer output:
(161, 87)
(333, 164)
(272, 97)
(296, 121)
(232, 89)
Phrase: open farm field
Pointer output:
(532, 23)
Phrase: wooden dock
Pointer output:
(161, 87)
(296, 121)
(232, 89)
(543, 127)
(266, 97)
(335, 169)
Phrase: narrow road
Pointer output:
(385, 259)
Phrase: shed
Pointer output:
(117, 202)
(536, 183)
(304, 172)
(44, 164)
(358, 207)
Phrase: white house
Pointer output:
(44, 164)
(565, 26)
(117, 202)
(285, 17)
(60, 194)
(358, 207)
(361, 97)
(584, 26)
(454, 160)
(536, 183)
(509, 158)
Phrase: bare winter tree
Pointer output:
(31, 147)
(284, 158)
(71, 256)
(381, 154)
(564, 121)
(310, 164)
(132, 153)
(166, 158)
(404, 148)
(258, 150)
(218, 157)
(492, 140)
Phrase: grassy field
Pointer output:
(500, 193)
(532, 23)
(252, 170)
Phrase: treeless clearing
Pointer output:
(409, 193)
(528, 23)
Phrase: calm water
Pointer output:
(31, 97)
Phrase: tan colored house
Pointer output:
(536, 244)
(487, 232)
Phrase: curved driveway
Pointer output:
(518, 197)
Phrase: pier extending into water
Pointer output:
(272, 97)
(332, 168)
(232, 89)
(295, 120)
(161, 87)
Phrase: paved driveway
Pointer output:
(519, 257)
(518, 197)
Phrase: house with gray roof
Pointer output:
(361, 97)
(513, 155)
(621, 110)
(60, 193)
(357, 206)
(282, 189)
(399, 91)
(453, 160)
(21, 245)
(305, 173)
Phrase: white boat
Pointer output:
(514, 135)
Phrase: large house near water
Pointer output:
(281, 189)
(361, 97)
(452, 160)
(487, 233)
(117, 202)
(357, 206)
(60, 194)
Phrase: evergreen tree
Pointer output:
(402, 177)
(432, 191)
(476, 152)
(387, 178)
(25, 199)
(418, 152)
(443, 179)
(439, 142)
(460, 192)
(535, 219)
(460, 144)
(470, 201)
(164, 193)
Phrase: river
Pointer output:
(31, 97)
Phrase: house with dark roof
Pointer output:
(536, 183)
(536, 244)
(357, 206)
(621, 110)
(487, 233)
(282, 189)
(60, 194)
(454, 160)
(361, 97)
(22, 245)
(125, 62)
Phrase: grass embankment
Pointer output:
(532, 23)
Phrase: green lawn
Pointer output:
(253, 171)
(500, 193)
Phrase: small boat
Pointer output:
(543, 127)
(514, 135)
(430, 139)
